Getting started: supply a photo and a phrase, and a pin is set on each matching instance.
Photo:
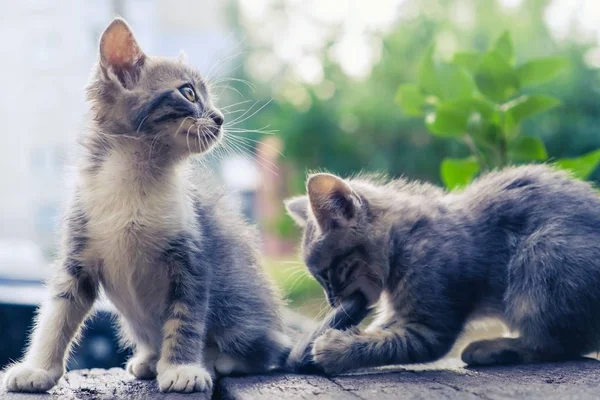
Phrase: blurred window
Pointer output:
(46, 218)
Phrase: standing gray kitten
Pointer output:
(522, 244)
(181, 269)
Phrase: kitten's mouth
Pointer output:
(363, 283)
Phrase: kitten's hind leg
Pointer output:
(226, 365)
(266, 354)
(507, 351)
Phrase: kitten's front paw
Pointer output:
(331, 351)
(142, 366)
(24, 378)
(184, 379)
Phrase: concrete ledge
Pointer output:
(87, 384)
(447, 379)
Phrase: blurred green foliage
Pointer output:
(477, 98)
(283, 226)
(344, 125)
(361, 127)
(298, 287)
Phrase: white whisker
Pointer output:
(230, 88)
(248, 147)
(244, 81)
(261, 143)
(241, 116)
(235, 104)
(251, 115)
(241, 150)
(187, 138)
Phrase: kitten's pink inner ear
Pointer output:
(322, 186)
(118, 47)
(330, 199)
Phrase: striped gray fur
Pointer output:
(520, 244)
(180, 265)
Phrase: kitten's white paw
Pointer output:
(330, 351)
(184, 379)
(25, 378)
(142, 366)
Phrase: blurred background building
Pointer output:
(309, 84)
(49, 48)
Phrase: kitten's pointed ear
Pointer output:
(297, 208)
(332, 200)
(120, 52)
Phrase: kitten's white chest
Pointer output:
(131, 213)
(131, 217)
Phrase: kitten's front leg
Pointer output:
(181, 365)
(348, 314)
(57, 323)
(338, 351)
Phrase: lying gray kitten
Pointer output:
(522, 244)
(180, 267)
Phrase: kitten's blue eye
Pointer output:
(188, 93)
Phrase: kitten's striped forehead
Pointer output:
(164, 71)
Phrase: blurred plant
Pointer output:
(283, 226)
(478, 98)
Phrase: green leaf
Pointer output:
(473, 104)
(526, 106)
(504, 47)
(428, 81)
(410, 99)
(495, 77)
(457, 83)
(527, 148)
(452, 117)
(447, 121)
(458, 172)
(469, 60)
(447, 81)
(541, 70)
(581, 167)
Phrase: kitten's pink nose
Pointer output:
(217, 117)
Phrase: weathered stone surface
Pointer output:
(102, 384)
(447, 379)
(280, 386)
